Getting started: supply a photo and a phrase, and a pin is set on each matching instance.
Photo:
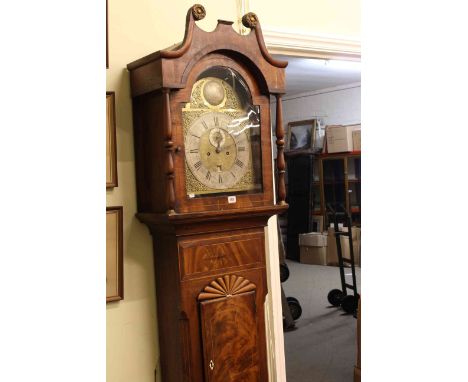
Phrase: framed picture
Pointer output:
(107, 36)
(114, 253)
(111, 143)
(301, 135)
(317, 223)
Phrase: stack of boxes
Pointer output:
(320, 248)
(343, 138)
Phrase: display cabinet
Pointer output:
(315, 181)
(340, 184)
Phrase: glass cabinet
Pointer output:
(315, 182)
(340, 176)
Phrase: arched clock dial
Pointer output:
(217, 150)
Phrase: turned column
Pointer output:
(280, 163)
(169, 145)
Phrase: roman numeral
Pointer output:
(208, 175)
(241, 148)
(197, 165)
(205, 125)
(194, 151)
(239, 163)
(216, 121)
(220, 179)
(234, 175)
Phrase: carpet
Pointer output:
(323, 346)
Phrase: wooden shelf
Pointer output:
(339, 155)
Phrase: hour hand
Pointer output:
(217, 139)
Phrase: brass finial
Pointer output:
(250, 20)
(198, 12)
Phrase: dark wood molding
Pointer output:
(169, 145)
(195, 13)
(250, 20)
(280, 163)
(210, 216)
(174, 61)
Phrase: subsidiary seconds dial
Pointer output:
(217, 151)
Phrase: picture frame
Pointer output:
(301, 135)
(111, 142)
(107, 35)
(114, 254)
(317, 223)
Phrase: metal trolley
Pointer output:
(340, 297)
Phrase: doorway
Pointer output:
(321, 345)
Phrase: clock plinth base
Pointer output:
(211, 274)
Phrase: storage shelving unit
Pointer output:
(315, 180)
(340, 178)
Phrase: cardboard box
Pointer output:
(339, 138)
(313, 239)
(332, 252)
(313, 248)
(357, 140)
(313, 255)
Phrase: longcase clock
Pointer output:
(204, 176)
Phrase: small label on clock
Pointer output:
(232, 199)
(191, 196)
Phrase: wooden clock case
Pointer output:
(209, 253)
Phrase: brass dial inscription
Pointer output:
(217, 150)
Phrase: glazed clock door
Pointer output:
(221, 136)
(229, 332)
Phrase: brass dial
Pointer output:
(217, 151)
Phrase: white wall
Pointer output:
(337, 106)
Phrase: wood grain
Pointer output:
(220, 253)
(199, 241)
(169, 145)
(280, 163)
(229, 339)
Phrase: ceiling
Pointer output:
(308, 74)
